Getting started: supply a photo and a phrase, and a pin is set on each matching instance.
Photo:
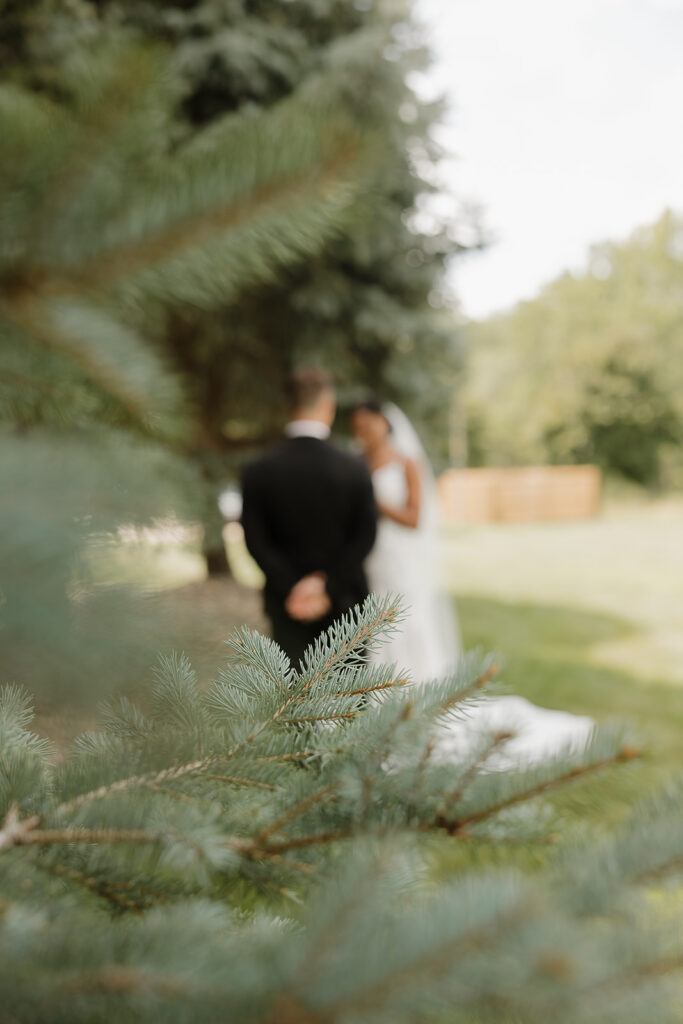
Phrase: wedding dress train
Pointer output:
(427, 643)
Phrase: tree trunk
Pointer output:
(217, 563)
(213, 544)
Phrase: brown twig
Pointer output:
(55, 836)
(174, 793)
(458, 826)
(284, 758)
(335, 717)
(111, 891)
(18, 831)
(233, 780)
(106, 890)
(14, 827)
(497, 740)
(294, 812)
(481, 680)
(250, 849)
(367, 689)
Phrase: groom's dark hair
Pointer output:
(305, 385)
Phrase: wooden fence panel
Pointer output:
(520, 494)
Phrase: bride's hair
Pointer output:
(371, 404)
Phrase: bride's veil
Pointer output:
(405, 439)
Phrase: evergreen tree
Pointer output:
(102, 229)
(364, 305)
(260, 853)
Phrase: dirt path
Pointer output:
(196, 618)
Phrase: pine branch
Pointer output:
(353, 645)
(358, 630)
(137, 781)
(368, 624)
(335, 716)
(119, 92)
(380, 754)
(365, 690)
(50, 837)
(478, 684)
(495, 742)
(656, 874)
(433, 962)
(422, 766)
(175, 793)
(656, 968)
(251, 848)
(459, 826)
(243, 198)
(302, 867)
(149, 395)
(410, 950)
(109, 891)
(14, 828)
(120, 982)
(456, 829)
(295, 811)
(25, 832)
(234, 781)
(125, 262)
(305, 755)
(262, 655)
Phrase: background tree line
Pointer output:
(592, 369)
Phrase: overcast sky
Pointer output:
(567, 123)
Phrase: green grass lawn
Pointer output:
(588, 618)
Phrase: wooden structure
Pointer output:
(519, 495)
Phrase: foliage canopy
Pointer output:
(101, 228)
(591, 370)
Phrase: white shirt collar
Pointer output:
(307, 428)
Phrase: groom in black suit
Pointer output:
(309, 519)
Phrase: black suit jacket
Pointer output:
(309, 507)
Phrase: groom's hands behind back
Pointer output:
(308, 599)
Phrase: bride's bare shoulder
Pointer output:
(410, 465)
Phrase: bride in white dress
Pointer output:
(405, 561)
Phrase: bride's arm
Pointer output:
(408, 514)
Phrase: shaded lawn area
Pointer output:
(587, 617)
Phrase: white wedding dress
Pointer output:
(427, 643)
(403, 561)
